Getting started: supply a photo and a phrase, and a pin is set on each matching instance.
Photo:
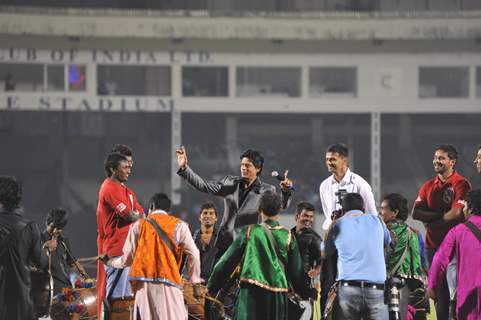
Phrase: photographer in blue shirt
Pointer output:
(359, 240)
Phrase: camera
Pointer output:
(394, 296)
(336, 214)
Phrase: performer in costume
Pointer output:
(269, 259)
(62, 260)
(117, 209)
(155, 260)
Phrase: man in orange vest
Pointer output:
(153, 250)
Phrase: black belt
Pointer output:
(362, 284)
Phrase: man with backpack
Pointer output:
(464, 240)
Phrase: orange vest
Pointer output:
(153, 260)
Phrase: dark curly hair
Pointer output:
(449, 149)
(256, 158)
(112, 161)
(339, 148)
(398, 202)
(208, 205)
(270, 203)
(10, 192)
(473, 199)
(123, 150)
(57, 216)
(160, 201)
(352, 201)
(304, 205)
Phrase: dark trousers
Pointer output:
(443, 300)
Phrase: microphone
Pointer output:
(279, 177)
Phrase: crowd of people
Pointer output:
(369, 264)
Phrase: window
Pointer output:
(333, 82)
(205, 82)
(21, 77)
(55, 77)
(133, 80)
(268, 81)
(443, 82)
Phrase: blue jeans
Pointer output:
(361, 303)
(122, 289)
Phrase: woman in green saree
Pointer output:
(405, 263)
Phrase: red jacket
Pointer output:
(115, 202)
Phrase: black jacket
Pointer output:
(20, 246)
(309, 243)
(236, 213)
(208, 255)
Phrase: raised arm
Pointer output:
(286, 190)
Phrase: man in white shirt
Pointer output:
(342, 179)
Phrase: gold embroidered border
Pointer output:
(262, 285)
(282, 228)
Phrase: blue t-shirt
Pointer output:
(359, 239)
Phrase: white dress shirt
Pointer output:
(352, 183)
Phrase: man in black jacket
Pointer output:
(19, 247)
(204, 238)
(309, 243)
(241, 194)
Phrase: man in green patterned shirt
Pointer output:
(269, 259)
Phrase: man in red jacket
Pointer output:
(117, 209)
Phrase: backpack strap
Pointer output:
(474, 230)
(163, 236)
